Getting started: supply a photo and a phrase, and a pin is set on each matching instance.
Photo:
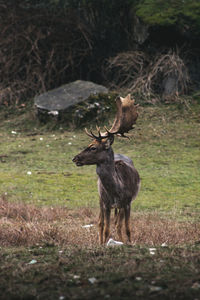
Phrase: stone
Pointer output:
(68, 95)
(170, 85)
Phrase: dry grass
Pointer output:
(25, 225)
(136, 71)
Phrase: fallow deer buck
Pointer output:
(118, 180)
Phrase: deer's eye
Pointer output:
(93, 148)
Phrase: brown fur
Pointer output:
(118, 181)
(118, 185)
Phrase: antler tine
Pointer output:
(119, 134)
(108, 131)
(98, 130)
(86, 131)
(92, 135)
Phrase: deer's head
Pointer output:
(97, 151)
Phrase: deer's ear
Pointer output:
(109, 141)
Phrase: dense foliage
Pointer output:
(183, 13)
(46, 43)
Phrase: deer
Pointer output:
(118, 179)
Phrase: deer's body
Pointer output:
(118, 180)
(118, 185)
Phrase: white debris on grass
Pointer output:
(41, 139)
(112, 243)
(69, 143)
(152, 251)
(154, 288)
(76, 277)
(32, 262)
(61, 298)
(13, 132)
(196, 286)
(87, 226)
(164, 244)
(92, 280)
(138, 278)
(29, 173)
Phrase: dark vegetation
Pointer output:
(145, 47)
(52, 272)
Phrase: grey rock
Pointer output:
(170, 85)
(60, 99)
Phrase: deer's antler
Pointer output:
(126, 115)
(125, 118)
(92, 135)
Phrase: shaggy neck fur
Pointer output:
(108, 176)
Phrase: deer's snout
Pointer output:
(77, 160)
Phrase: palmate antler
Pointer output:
(126, 115)
(125, 118)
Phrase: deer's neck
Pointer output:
(107, 174)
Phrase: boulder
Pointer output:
(170, 86)
(66, 96)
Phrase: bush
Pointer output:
(40, 49)
(138, 72)
(44, 44)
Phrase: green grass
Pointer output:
(164, 147)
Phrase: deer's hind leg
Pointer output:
(107, 212)
(115, 216)
(127, 211)
(119, 223)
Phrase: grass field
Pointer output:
(46, 199)
(164, 148)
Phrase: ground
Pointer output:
(47, 253)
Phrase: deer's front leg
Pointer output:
(107, 224)
(101, 225)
